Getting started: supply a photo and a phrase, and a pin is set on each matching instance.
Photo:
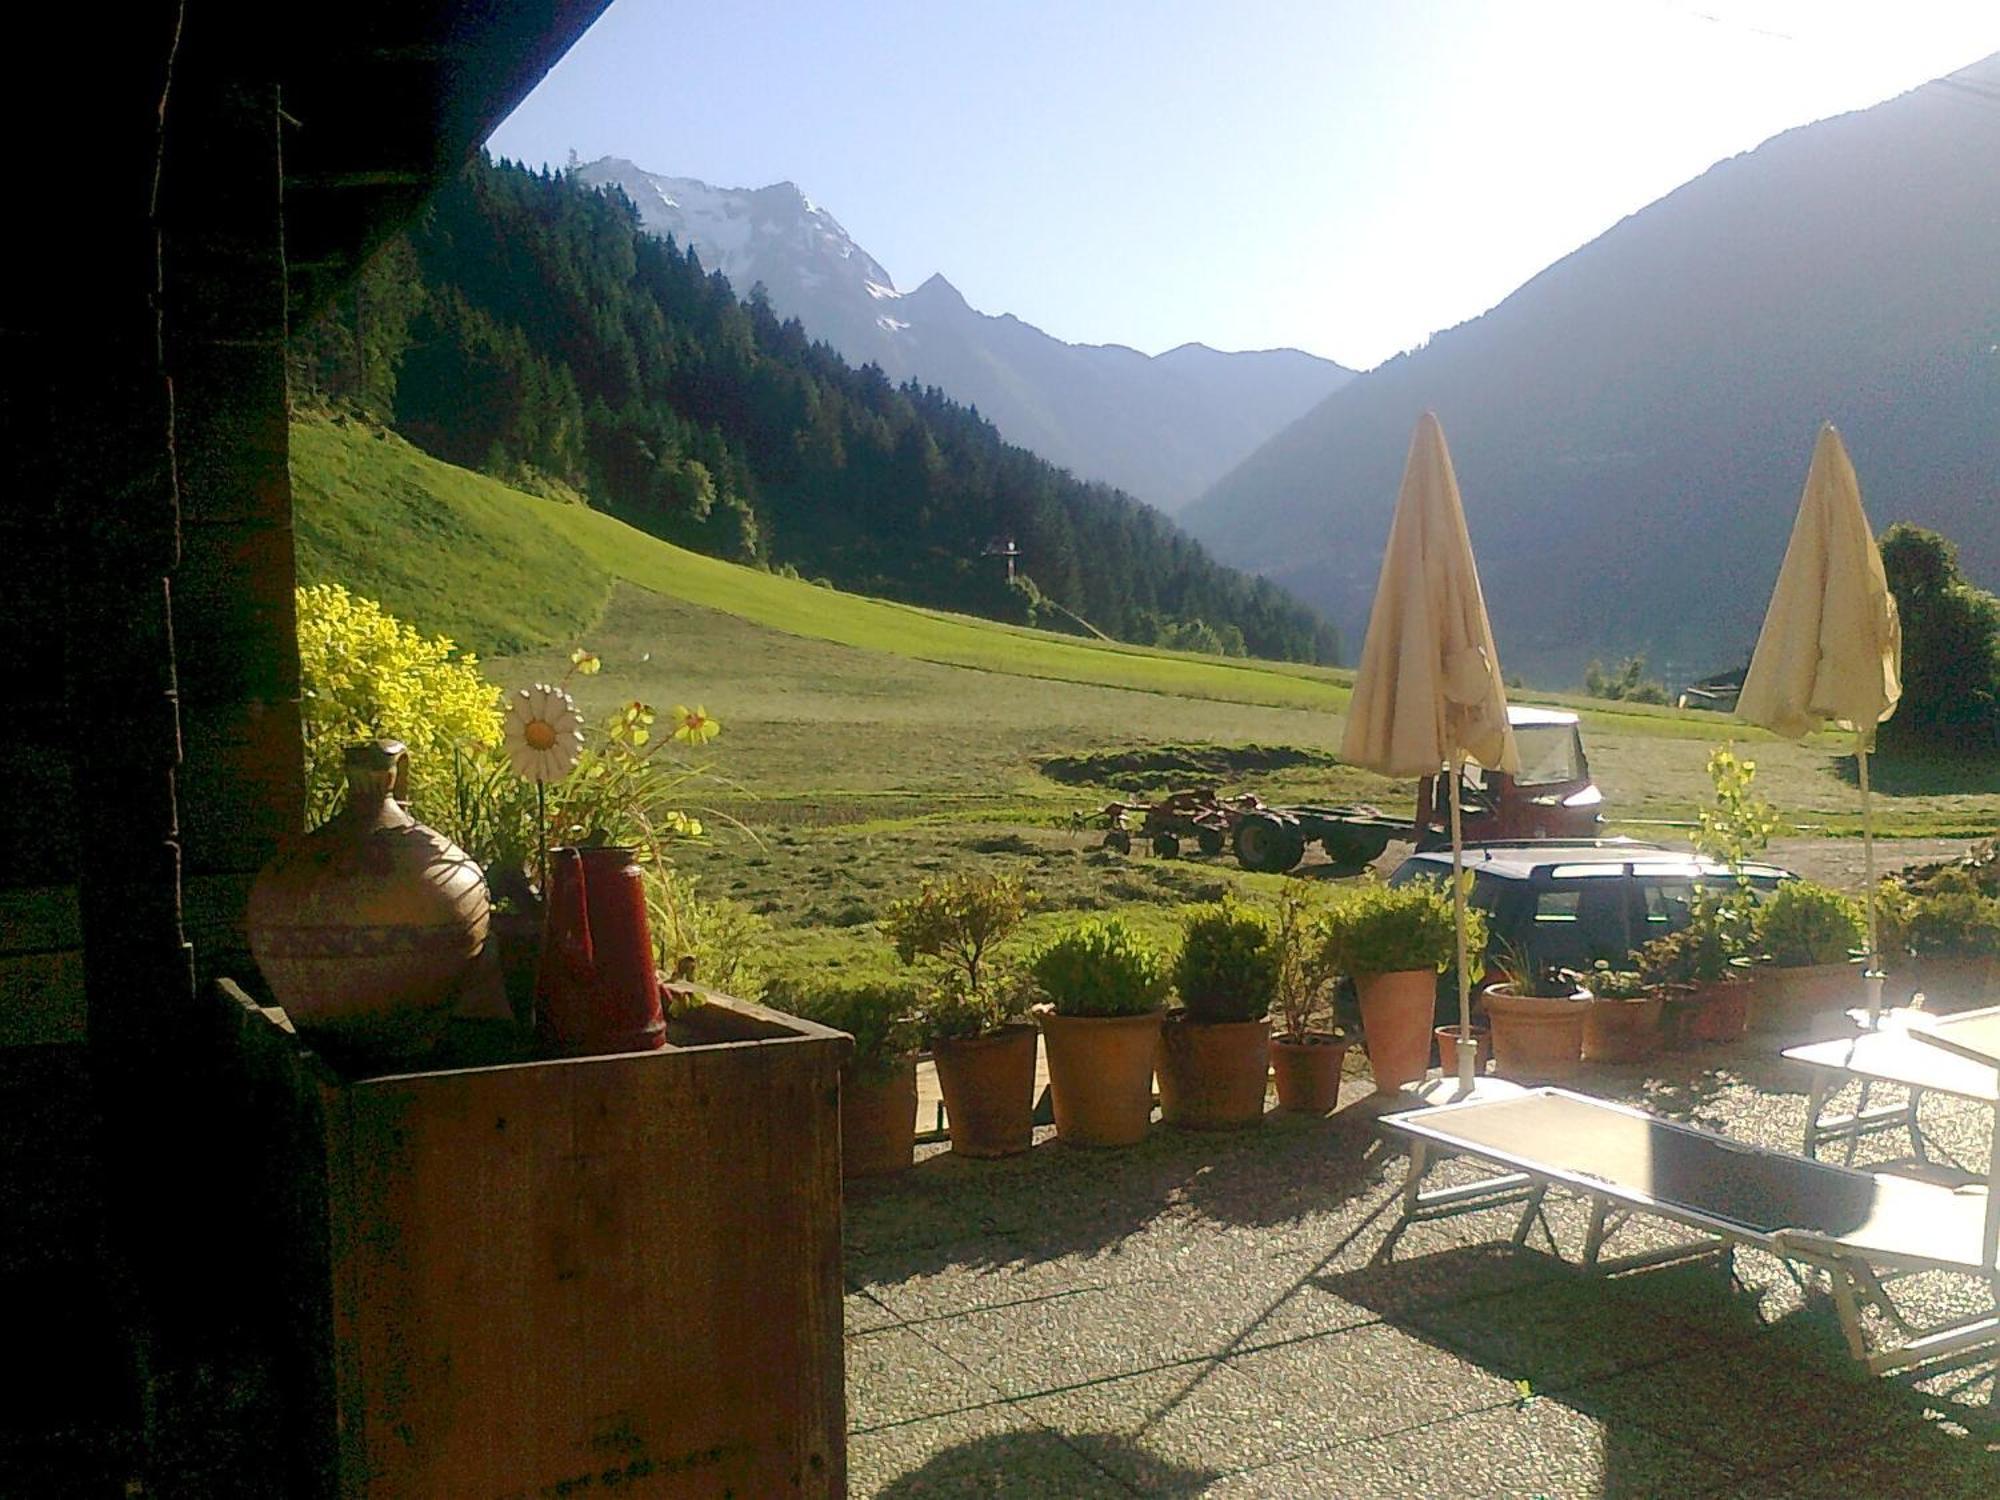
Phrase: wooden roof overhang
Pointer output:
(383, 101)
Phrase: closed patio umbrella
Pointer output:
(1831, 648)
(1428, 692)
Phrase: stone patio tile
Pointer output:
(1099, 1332)
(996, 1451)
(861, 1312)
(894, 1375)
(1934, 1464)
(1555, 1335)
(975, 1283)
(1288, 1300)
(1755, 1406)
(1539, 1450)
(1173, 1431)
(1433, 1267)
(1967, 1395)
(1371, 1380)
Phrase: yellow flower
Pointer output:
(694, 726)
(586, 662)
(543, 733)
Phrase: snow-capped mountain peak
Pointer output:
(1164, 429)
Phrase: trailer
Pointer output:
(1553, 797)
(1273, 840)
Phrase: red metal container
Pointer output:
(598, 990)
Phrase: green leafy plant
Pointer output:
(1607, 983)
(1227, 968)
(1949, 917)
(1803, 922)
(880, 1017)
(715, 940)
(1705, 951)
(363, 675)
(950, 1012)
(1302, 987)
(1376, 928)
(958, 921)
(1101, 967)
(1524, 975)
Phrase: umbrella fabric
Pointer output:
(1429, 684)
(1831, 646)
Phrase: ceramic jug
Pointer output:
(365, 928)
(598, 990)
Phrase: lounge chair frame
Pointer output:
(1858, 1277)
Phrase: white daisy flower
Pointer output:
(543, 732)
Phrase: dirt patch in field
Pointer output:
(1153, 768)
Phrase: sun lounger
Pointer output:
(1861, 1228)
(1893, 1055)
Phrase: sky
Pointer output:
(1341, 176)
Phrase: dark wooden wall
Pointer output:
(191, 151)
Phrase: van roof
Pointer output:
(1525, 859)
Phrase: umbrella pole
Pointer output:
(1468, 1050)
(1874, 974)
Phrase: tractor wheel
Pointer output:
(1209, 841)
(1266, 845)
(1167, 845)
(1353, 851)
(1118, 841)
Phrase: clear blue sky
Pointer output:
(1343, 176)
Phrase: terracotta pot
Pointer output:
(1790, 1000)
(1213, 1074)
(1308, 1073)
(1397, 1012)
(1536, 1039)
(1709, 1015)
(1101, 1073)
(988, 1084)
(365, 928)
(878, 1121)
(1447, 1045)
(1621, 1031)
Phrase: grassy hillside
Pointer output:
(500, 570)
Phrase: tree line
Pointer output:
(527, 327)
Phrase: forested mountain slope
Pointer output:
(528, 328)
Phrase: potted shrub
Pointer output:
(1940, 938)
(1807, 934)
(1215, 1051)
(1104, 986)
(984, 1047)
(1621, 1021)
(975, 1022)
(1702, 974)
(878, 1082)
(1394, 941)
(1308, 1050)
(1537, 1013)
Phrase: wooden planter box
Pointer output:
(551, 1277)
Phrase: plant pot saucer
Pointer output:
(1447, 1089)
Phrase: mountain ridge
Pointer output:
(1650, 399)
(1157, 427)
